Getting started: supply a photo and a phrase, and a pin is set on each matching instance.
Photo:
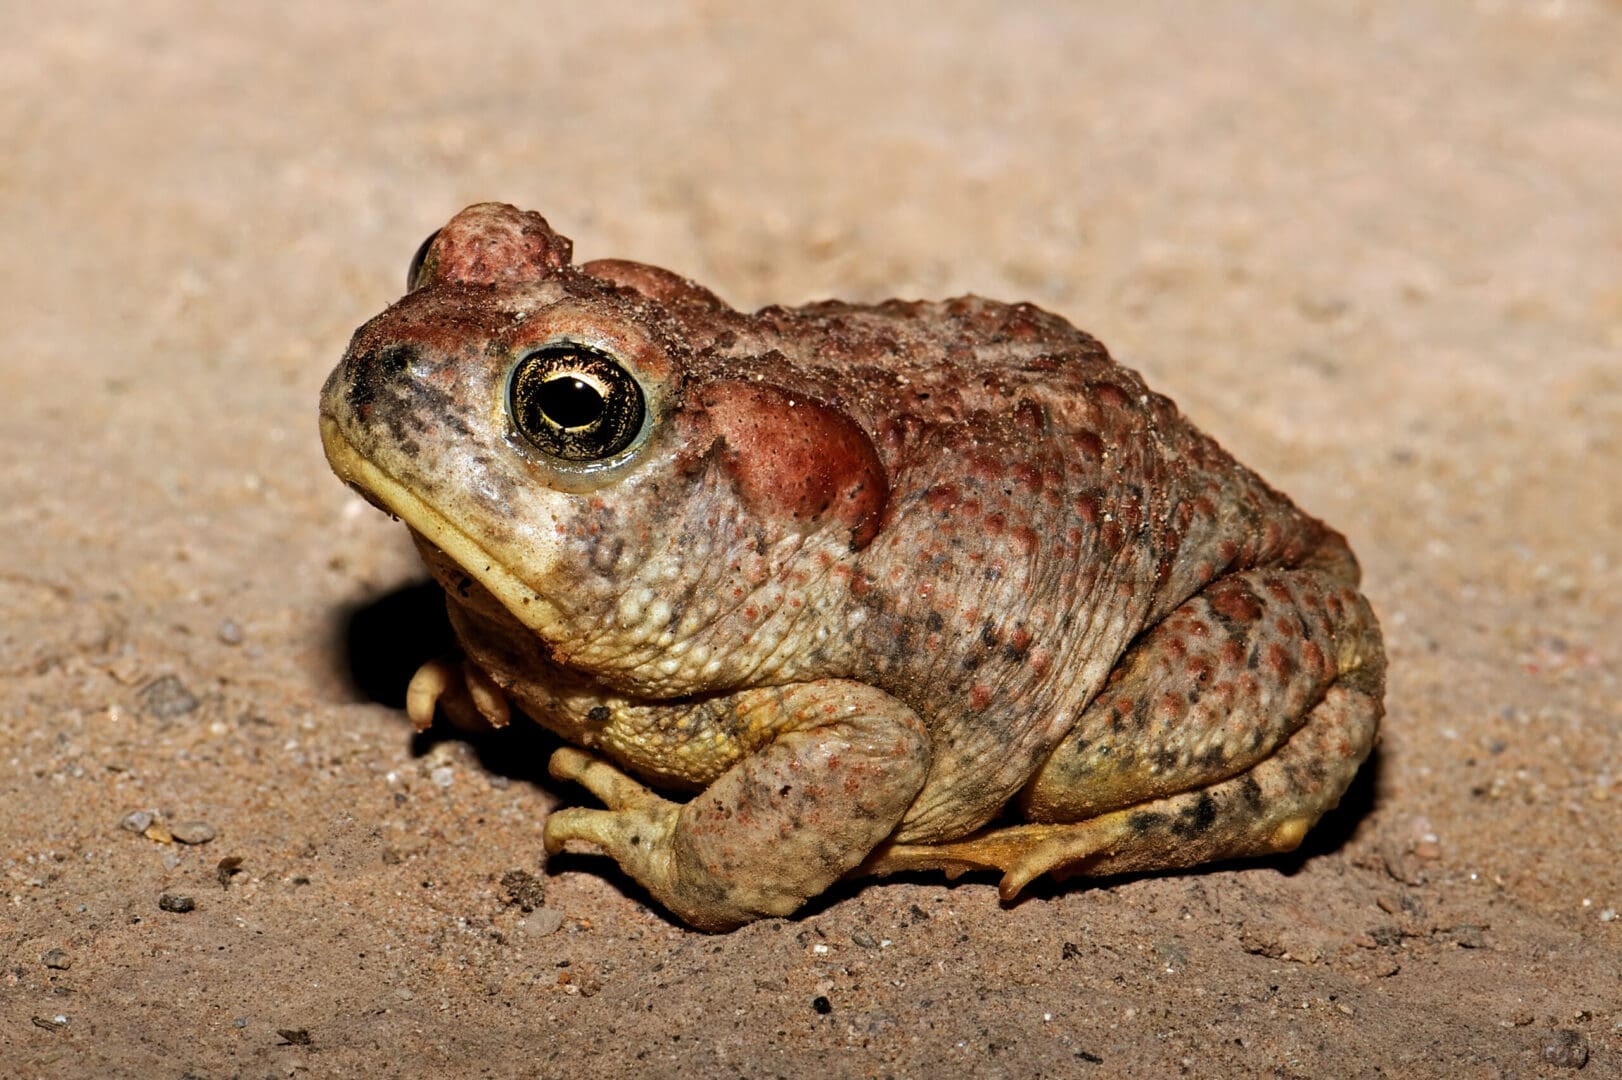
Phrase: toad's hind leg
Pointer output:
(1226, 731)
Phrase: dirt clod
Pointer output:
(523, 889)
(1566, 1049)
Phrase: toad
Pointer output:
(847, 589)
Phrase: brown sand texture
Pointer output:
(1375, 248)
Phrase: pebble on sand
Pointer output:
(177, 904)
(192, 832)
(543, 921)
(166, 697)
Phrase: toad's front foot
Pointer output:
(635, 829)
(459, 689)
(775, 829)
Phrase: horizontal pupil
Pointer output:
(570, 402)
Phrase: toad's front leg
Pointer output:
(779, 826)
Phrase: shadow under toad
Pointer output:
(387, 639)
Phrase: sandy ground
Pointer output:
(1375, 248)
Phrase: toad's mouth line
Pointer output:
(389, 494)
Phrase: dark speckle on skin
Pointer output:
(370, 371)
(1197, 818)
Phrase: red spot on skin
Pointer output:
(797, 460)
(1087, 508)
(1028, 477)
(1111, 536)
(1236, 605)
(979, 696)
(1278, 590)
(1233, 654)
(1022, 323)
(1039, 661)
(1199, 669)
(1278, 661)
(942, 497)
(1130, 514)
(1088, 444)
(1108, 395)
(1024, 538)
(1030, 416)
(984, 468)
(1020, 639)
(994, 525)
(1313, 656)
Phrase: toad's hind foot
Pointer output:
(1263, 811)
(1159, 835)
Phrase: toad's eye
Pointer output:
(414, 273)
(575, 402)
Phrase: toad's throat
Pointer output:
(370, 479)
